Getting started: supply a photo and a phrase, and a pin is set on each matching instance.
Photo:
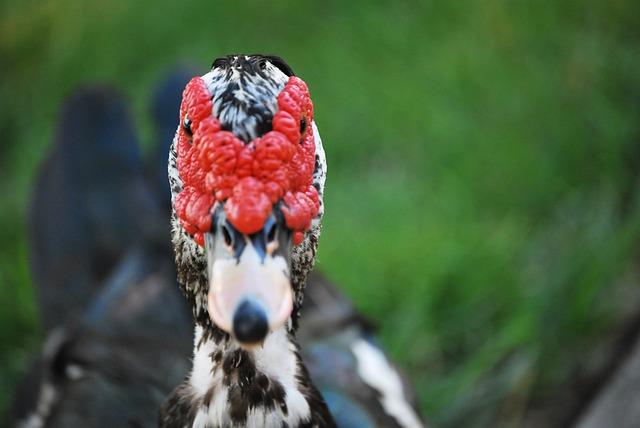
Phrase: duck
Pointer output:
(248, 335)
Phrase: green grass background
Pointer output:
(481, 200)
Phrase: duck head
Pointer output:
(247, 173)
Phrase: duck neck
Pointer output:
(264, 386)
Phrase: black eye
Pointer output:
(303, 125)
(186, 124)
(226, 235)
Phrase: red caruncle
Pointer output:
(216, 166)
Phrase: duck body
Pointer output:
(126, 341)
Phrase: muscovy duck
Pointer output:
(247, 172)
(121, 341)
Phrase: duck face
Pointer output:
(247, 190)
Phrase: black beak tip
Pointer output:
(250, 323)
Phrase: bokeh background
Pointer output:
(482, 199)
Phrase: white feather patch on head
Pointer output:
(320, 173)
(249, 90)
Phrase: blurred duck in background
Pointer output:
(119, 333)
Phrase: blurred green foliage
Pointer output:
(483, 159)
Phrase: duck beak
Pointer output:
(250, 292)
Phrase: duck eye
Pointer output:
(303, 125)
(186, 124)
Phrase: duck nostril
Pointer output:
(250, 323)
(271, 234)
(226, 234)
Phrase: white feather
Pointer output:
(376, 371)
(276, 359)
